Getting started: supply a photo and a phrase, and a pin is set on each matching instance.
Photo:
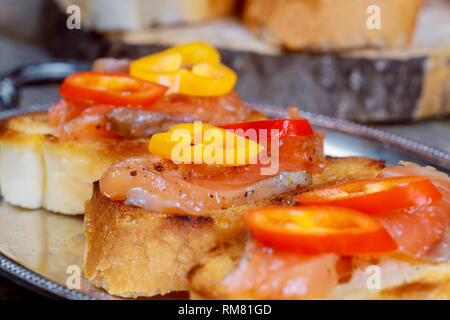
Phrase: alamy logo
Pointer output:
(74, 280)
(374, 19)
(74, 19)
(374, 278)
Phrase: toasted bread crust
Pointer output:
(132, 252)
(37, 170)
(339, 170)
(22, 128)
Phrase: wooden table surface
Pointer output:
(14, 52)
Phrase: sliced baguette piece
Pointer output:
(118, 15)
(131, 252)
(22, 173)
(37, 170)
(401, 276)
(333, 25)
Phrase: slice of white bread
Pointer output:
(37, 170)
(119, 15)
(401, 277)
(133, 252)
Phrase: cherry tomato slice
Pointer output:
(284, 127)
(375, 196)
(316, 230)
(111, 89)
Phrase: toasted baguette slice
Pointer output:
(401, 277)
(132, 252)
(36, 170)
(39, 171)
(333, 25)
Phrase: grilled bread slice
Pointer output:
(37, 170)
(133, 252)
(401, 276)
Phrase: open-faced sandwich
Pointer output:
(154, 217)
(382, 238)
(50, 159)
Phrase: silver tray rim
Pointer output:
(35, 282)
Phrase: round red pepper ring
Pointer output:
(111, 89)
(285, 127)
(375, 196)
(319, 229)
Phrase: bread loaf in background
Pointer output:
(119, 15)
(366, 85)
(332, 25)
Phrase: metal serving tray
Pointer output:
(37, 247)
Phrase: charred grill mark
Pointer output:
(195, 220)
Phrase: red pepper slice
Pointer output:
(285, 127)
(111, 89)
(320, 229)
(375, 196)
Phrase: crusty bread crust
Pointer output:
(332, 25)
(37, 170)
(132, 252)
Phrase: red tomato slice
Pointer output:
(284, 128)
(315, 230)
(111, 89)
(375, 196)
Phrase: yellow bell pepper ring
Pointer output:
(203, 143)
(192, 69)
